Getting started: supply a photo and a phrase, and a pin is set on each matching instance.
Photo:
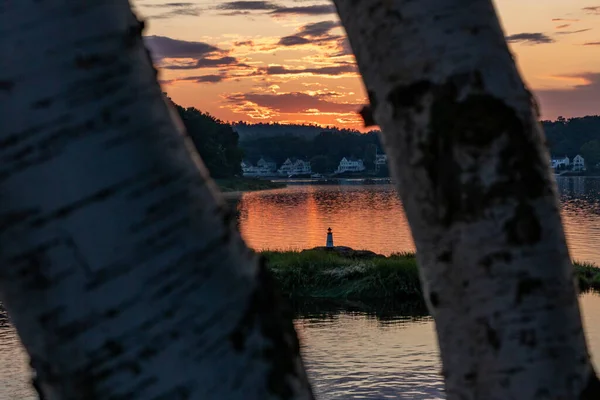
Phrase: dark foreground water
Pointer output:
(357, 351)
(351, 353)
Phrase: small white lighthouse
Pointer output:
(329, 238)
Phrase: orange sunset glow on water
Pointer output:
(289, 61)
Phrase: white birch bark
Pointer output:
(119, 264)
(467, 152)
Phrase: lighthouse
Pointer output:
(329, 244)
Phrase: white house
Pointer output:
(245, 165)
(263, 169)
(578, 163)
(295, 166)
(350, 164)
(560, 162)
(267, 164)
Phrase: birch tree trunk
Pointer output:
(467, 153)
(119, 264)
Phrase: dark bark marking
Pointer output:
(112, 312)
(434, 299)
(490, 259)
(13, 218)
(492, 336)
(394, 14)
(471, 376)
(445, 257)
(471, 126)
(273, 315)
(134, 33)
(592, 389)
(372, 98)
(527, 286)
(43, 103)
(94, 60)
(523, 228)
(528, 337)
(367, 115)
(408, 96)
(6, 86)
(147, 352)
(113, 348)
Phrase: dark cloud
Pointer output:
(317, 32)
(168, 5)
(531, 38)
(572, 32)
(318, 29)
(164, 47)
(293, 40)
(592, 10)
(317, 9)
(203, 54)
(592, 44)
(564, 20)
(207, 78)
(334, 70)
(244, 43)
(176, 9)
(580, 100)
(234, 13)
(207, 63)
(343, 47)
(295, 102)
(196, 79)
(248, 6)
(563, 26)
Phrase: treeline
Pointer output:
(215, 140)
(219, 144)
(261, 130)
(324, 151)
(575, 136)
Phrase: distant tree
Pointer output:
(215, 141)
(567, 136)
(369, 156)
(590, 151)
(322, 164)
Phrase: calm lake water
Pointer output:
(371, 217)
(359, 352)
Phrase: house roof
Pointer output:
(354, 159)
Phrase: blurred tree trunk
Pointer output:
(467, 153)
(119, 264)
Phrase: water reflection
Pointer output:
(371, 217)
(351, 350)
(351, 355)
(382, 310)
(362, 217)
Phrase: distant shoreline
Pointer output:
(235, 186)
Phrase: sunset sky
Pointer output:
(288, 60)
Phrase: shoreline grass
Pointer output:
(247, 184)
(326, 275)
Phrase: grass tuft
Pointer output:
(327, 275)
